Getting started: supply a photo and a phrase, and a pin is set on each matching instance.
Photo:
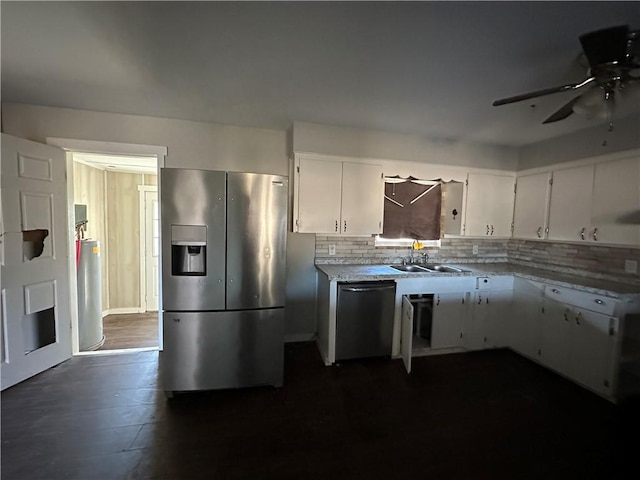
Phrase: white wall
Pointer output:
(330, 140)
(190, 144)
(583, 144)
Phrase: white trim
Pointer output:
(299, 337)
(117, 352)
(73, 273)
(122, 311)
(94, 146)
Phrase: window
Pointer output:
(412, 211)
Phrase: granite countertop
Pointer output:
(597, 286)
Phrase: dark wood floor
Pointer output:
(135, 330)
(479, 415)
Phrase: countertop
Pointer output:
(346, 273)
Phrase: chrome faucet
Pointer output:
(425, 258)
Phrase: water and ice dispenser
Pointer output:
(188, 250)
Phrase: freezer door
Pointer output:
(209, 351)
(192, 212)
(256, 236)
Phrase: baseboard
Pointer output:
(121, 311)
(299, 337)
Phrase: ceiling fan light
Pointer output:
(591, 105)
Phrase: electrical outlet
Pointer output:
(631, 266)
(332, 249)
(475, 249)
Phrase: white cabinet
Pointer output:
(570, 210)
(488, 325)
(449, 311)
(525, 326)
(337, 198)
(489, 205)
(579, 341)
(530, 217)
(616, 202)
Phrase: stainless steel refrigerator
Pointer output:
(223, 279)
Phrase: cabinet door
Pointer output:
(474, 332)
(449, 312)
(498, 320)
(362, 199)
(532, 206)
(489, 205)
(570, 208)
(555, 336)
(524, 328)
(591, 349)
(616, 202)
(319, 193)
(406, 333)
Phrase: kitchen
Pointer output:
(217, 146)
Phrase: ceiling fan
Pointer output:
(613, 56)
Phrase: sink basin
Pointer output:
(444, 269)
(409, 268)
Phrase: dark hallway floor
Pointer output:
(134, 330)
(486, 414)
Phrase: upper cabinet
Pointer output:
(530, 216)
(615, 210)
(489, 205)
(570, 212)
(337, 198)
(597, 203)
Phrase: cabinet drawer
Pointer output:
(494, 283)
(589, 301)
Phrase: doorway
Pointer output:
(119, 199)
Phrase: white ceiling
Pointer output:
(426, 68)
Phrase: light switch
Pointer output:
(332, 249)
(475, 249)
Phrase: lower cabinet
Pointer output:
(579, 344)
(525, 329)
(491, 319)
(449, 312)
(431, 322)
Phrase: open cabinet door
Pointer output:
(406, 337)
(34, 272)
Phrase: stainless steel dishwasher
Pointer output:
(364, 320)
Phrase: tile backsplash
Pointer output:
(584, 260)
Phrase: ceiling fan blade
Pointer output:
(540, 93)
(608, 45)
(563, 112)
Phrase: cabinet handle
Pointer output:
(491, 229)
(566, 317)
(539, 232)
(479, 299)
(595, 234)
(487, 229)
(582, 233)
(578, 318)
(336, 225)
(555, 290)
(438, 300)
(345, 226)
(598, 301)
(487, 300)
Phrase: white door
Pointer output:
(532, 206)
(319, 194)
(406, 334)
(570, 210)
(362, 199)
(151, 250)
(36, 327)
(447, 320)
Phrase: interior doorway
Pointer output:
(116, 204)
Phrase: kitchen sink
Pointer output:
(410, 268)
(444, 268)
